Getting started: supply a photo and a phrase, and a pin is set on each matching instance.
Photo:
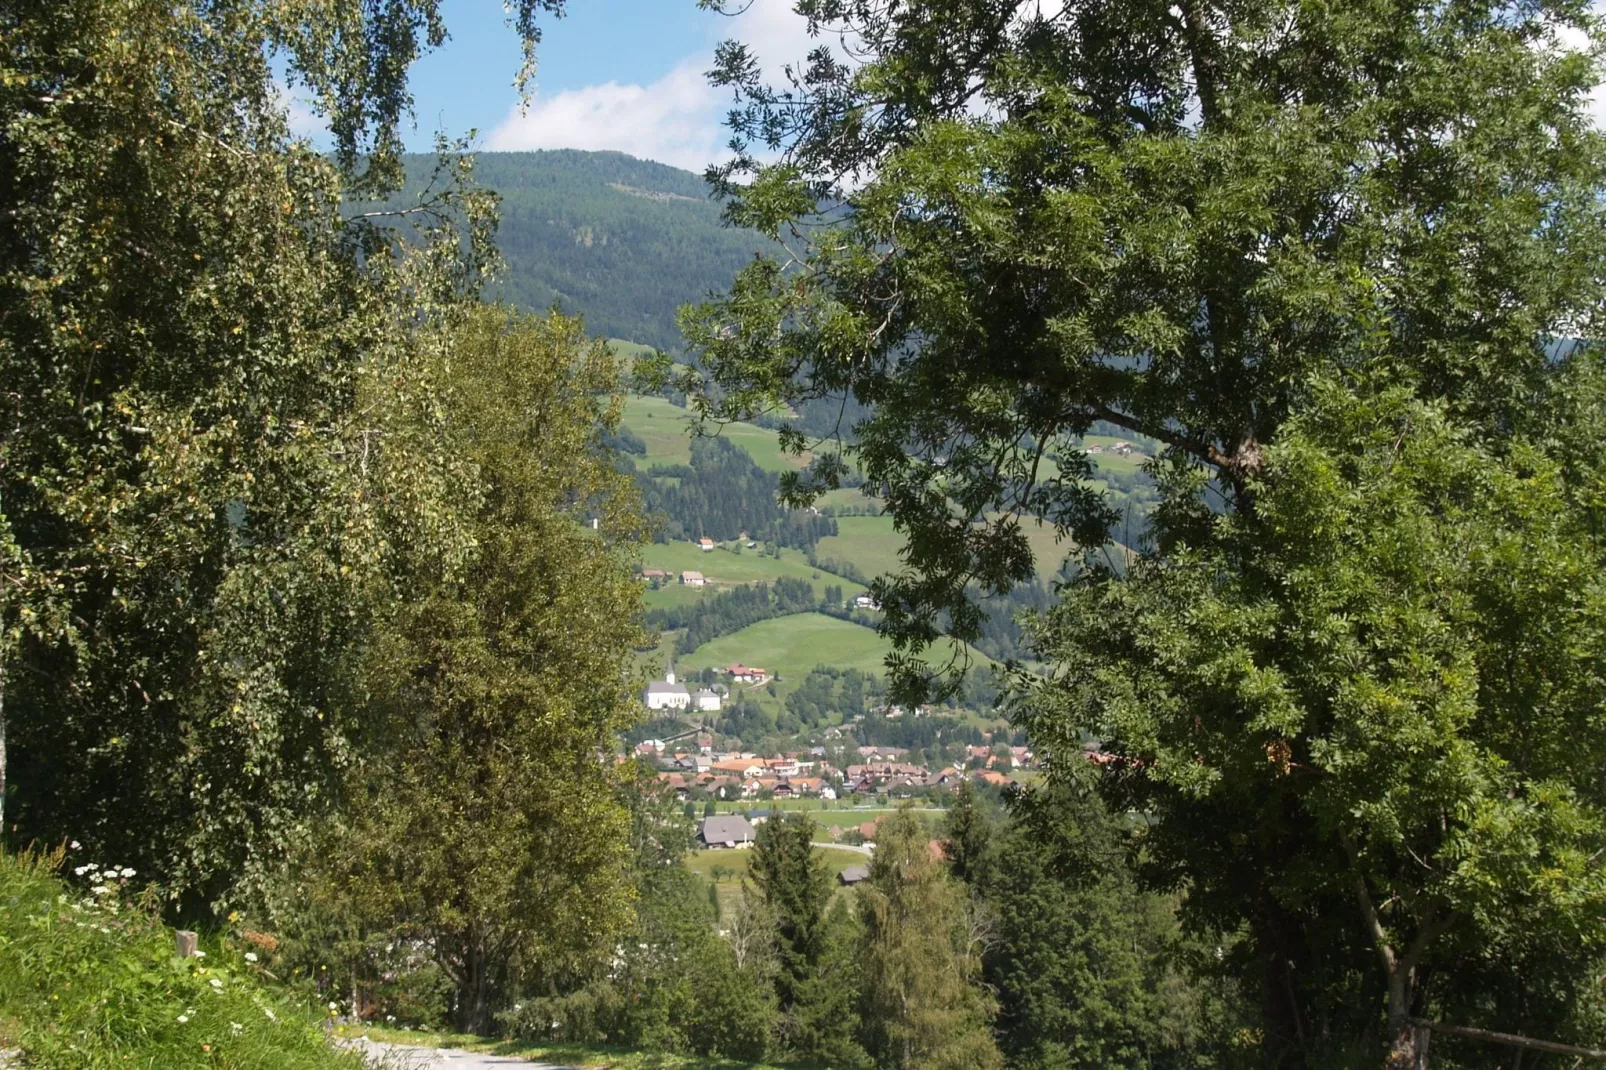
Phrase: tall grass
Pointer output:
(89, 979)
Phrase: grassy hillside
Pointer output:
(870, 543)
(87, 982)
(726, 568)
(793, 645)
(666, 429)
(733, 865)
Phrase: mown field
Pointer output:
(871, 544)
(732, 866)
(725, 568)
(666, 429)
(792, 645)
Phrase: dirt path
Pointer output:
(383, 1056)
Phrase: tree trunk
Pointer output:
(1408, 1044)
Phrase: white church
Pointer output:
(666, 694)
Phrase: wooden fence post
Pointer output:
(185, 941)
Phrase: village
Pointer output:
(694, 770)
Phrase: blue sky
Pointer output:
(613, 74)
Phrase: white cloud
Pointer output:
(674, 120)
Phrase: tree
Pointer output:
(485, 824)
(1196, 222)
(814, 963)
(205, 335)
(923, 1006)
(1089, 970)
(967, 842)
(1362, 720)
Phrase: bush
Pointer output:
(90, 980)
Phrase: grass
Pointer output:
(871, 543)
(91, 981)
(666, 429)
(734, 865)
(794, 644)
(564, 1054)
(867, 541)
(725, 568)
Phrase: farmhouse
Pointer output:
(746, 674)
(706, 544)
(692, 578)
(853, 875)
(725, 830)
(705, 699)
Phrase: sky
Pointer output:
(612, 74)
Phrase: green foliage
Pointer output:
(484, 821)
(89, 980)
(723, 493)
(1166, 218)
(1329, 257)
(673, 984)
(731, 611)
(922, 1003)
(1089, 970)
(1362, 716)
(218, 441)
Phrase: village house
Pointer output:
(692, 578)
(865, 601)
(725, 831)
(706, 700)
(746, 674)
(853, 875)
(706, 544)
(654, 576)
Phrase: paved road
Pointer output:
(846, 847)
(401, 1057)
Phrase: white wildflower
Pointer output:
(333, 1005)
(183, 1019)
(200, 954)
(215, 983)
(101, 889)
(236, 1028)
(128, 871)
(269, 1012)
(81, 870)
(75, 846)
(250, 956)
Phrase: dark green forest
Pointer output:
(622, 240)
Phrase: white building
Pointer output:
(705, 699)
(692, 578)
(665, 694)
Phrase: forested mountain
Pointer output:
(622, 240)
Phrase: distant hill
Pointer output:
(622, 240)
